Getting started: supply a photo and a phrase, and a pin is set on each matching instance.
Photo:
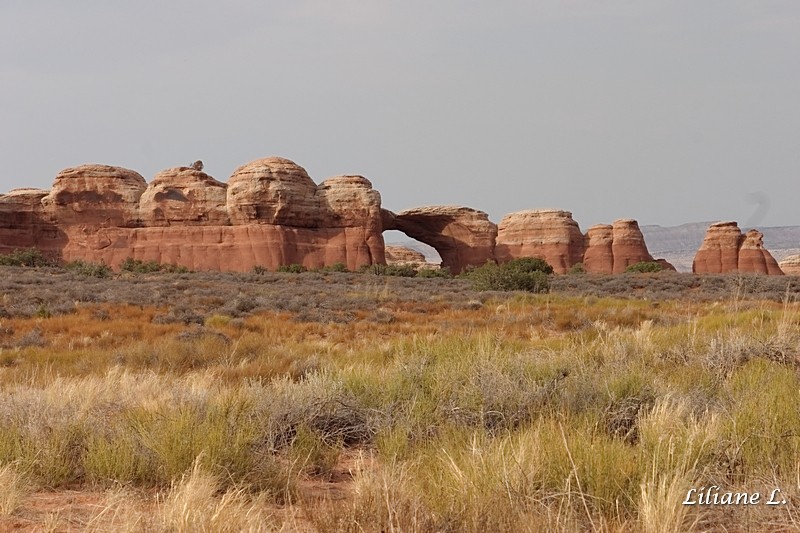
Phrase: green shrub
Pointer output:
(89, 270)
(577, 268)
(29, 257)
(644, 266)
(149, 267)
(403, 271)
(523, 274)
(260, 269)
(426, 272)
(294, 268)
(336, 267)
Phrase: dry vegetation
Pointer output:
(353, 402)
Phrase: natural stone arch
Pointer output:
(461, 235)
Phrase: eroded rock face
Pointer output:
(790, 265)
(22, 223)
(184, 196)
(551, 234)
(95, 195)
(599, 255)
(726, 249)
(629, 247)
(273, 191)
(463, 236)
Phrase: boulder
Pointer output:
(726, 249)
(550, 234)
(184, 196)
(461, 235)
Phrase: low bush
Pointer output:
(29, 257)
(89, 270)
(294, 268)
(644, 267)
(426, 272)
(524, 274)
(150, 267)
(403, 271)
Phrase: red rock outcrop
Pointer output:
(463, 236)
(271, 213)
(599, 255)
(184, 196)
(547, 233)
(22, 222)
(95, 195)
(726, 249)
(401, 255)
(790, 265)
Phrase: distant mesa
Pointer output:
(272, 213)
(402, 255)
(726, 249)
(790, 265)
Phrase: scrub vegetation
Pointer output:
(334, 401)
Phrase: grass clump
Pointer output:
(13, 489)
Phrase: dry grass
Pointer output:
(470, 412)
(13, 489)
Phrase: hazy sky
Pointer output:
(663, 111)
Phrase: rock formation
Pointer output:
(271, 213)
(726, 249)
(462, 236)
(547, 233)
(790, 265)
(612, 248)
(401, 255)
(184, 196)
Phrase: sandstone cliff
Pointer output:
(726, 249)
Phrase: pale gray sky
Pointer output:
(664, 111)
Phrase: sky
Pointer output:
(663, 111)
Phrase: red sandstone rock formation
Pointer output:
(599, 255)
(725, 249)
(790, 265)
(95, 195)
(462, 236)
(400, 255)
(271, 213)
(548, 233)
(184, 196)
